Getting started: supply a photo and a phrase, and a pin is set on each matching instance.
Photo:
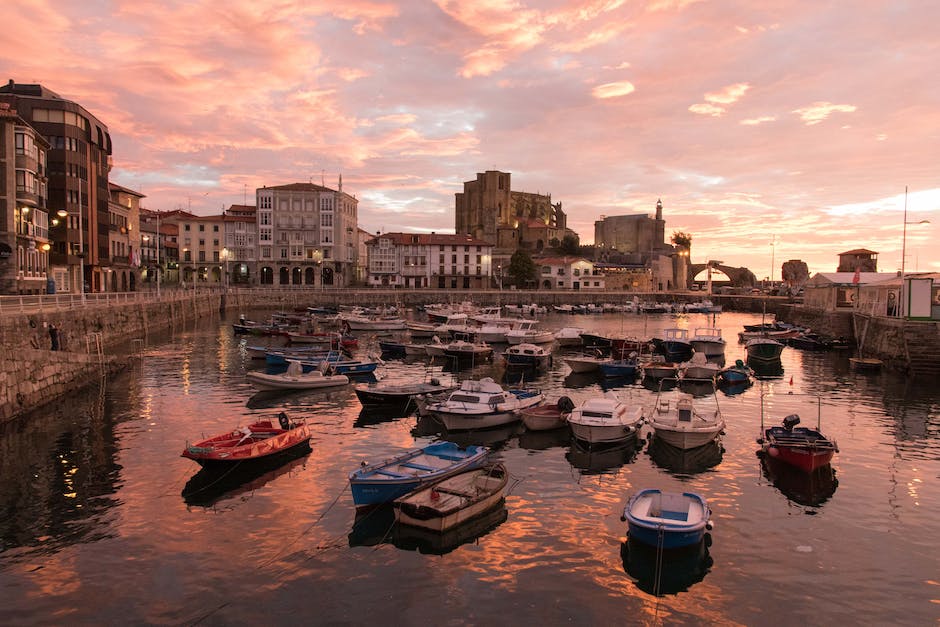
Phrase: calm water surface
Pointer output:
(94, 527)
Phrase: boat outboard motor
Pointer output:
(791, 421)
(565, 405)
(283, 420)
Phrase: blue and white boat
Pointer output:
(737, 373)
(528, 356)
(676, 345)
(628, 367)
(667, 520)
(389, 479)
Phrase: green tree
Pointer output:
(570, 245)
(682, 240)
(522, 270)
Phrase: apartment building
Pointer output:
(441, 261)
(24, 217)
(307, 235)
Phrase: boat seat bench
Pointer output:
(390, 473)
(418, 466)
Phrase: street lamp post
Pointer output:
(499, 276)
(225, 256)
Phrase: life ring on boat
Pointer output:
(283, 420)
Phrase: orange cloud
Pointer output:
(820, 111)
(613, 90)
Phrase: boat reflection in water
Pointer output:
(811, 489)
(494, 437)
(603, 458)
(733, 389)
(655, 384)
(211, 485)
(670, 571)
(377, 526)
(541, 440)
(372, 416)
(766, 369)
(685, 462)
(575, 380)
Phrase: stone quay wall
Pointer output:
(98, 338)
(106, 331)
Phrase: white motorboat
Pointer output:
(528, 355)
(363, 323)
(605, 420)
(708, 340)
(526, 333)
(482, 404)
(569, 336)
(295, 379)
(584, 363)
(683, 425)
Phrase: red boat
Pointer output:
(802, 447)
(260, 440)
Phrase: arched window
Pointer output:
(308, 276)
(296, 276)
(267, 276)
(284, 276)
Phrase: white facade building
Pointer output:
(568, 273)
(307, 235)
(441, 261)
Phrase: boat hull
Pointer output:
(306, 381)
(686, 440)
(384, 482)
(666, 520)
(581, 365)
(453, 501)
(544, 418)
(602, 434)
(709, 348)
(220, 451)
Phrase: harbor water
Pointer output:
(102, 521)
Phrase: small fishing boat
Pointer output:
(526, 333)
(392, 349)
(867, 364)
(667, 520)
(569, 336)
(528, 356)
(296, 379)
(676, 345)
(699, 368)
(468, 353)
(483, 404)
(802, 447)
(605, 420)
(454, 500)
(763, 349)
(398, 397)
(584, 363)
(626, 367)
(708, 341)
(258, 441)
(683, 425)
(385, 481)
(420, 329)
(548, 416)
(735, 374)
(658, 368)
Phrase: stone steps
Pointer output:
(923, 346)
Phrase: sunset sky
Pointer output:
(797, 123)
